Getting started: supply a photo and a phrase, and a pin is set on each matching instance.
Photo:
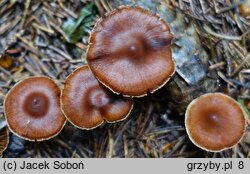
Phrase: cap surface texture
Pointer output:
(32, 109)
(130, 51)
(86, 103)
(214, 122)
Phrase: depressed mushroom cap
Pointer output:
(130, 51)
(32, 109)
(86, 103)
(214, 122)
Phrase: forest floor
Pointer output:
(211, 38)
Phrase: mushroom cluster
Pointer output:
(129, 55)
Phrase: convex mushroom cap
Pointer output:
(86, 103)
(214, 122)
(130, 51)
(32, 109)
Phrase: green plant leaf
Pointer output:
(244, 109)
(76, 29)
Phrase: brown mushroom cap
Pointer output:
(86, 103)
(214, 122)
(4, 140)
(130, 51)
(32, 109)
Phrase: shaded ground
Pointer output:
(211, 50)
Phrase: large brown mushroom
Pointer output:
(86, 103)
(32, 109)
(130, 51)
(214, 122)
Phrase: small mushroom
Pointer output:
(86, 103)
(214, 122)
(32, 109)
(4, 140)
(130, 51)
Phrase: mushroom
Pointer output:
(32, 109)
(86, 103)
(4, 140)
(130, 51)
(214, 122)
